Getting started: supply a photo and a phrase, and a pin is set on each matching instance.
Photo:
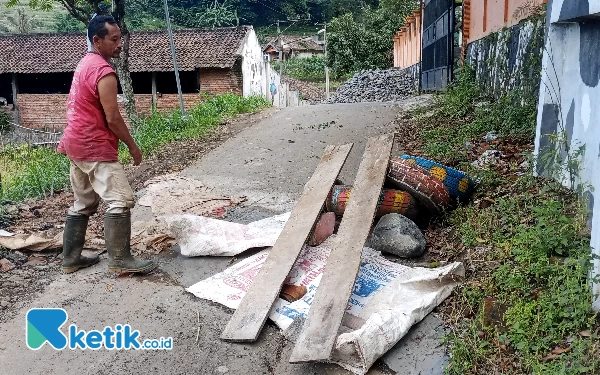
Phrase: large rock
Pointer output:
(398, 235)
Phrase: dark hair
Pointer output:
(97, 26)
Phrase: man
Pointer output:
(90, 141)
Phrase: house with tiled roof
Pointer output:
(293, 46)
(36, 69)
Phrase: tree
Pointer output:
(20, 23)
(83, 10)
(67, 23)
(364, 40)
(218, 14)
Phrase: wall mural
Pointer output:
(570, 99)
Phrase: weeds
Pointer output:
(30, 173)
(536, 265)
(161, 128)
(464, 114)
(312, 68)
(525, 307)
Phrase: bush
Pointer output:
(312, 68)
(364, 40)
(4, 120)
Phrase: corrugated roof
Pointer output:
(149, 50)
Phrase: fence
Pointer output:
(19, 135)
(279, 93)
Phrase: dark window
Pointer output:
(6, 88)
(166, 83)
(45, 83)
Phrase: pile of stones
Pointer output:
(375, 86)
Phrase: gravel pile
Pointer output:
(375, 86)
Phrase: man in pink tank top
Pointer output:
(91, 142)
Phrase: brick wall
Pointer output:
(48, 111)
(222, 81)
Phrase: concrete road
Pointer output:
(268, 162)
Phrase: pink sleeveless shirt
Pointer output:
(87, 136)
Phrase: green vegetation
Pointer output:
(465, 113)
(4, 120)
(362, 39)
(525, 305)
(33, 173)
(42, 21)
(535, 276)
(309, 69)
(161, 128)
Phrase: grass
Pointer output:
(31, 173)
(34, 173)
(535, 270)
(161, 128)
(465, 114)
(45, 21)
(525, 305)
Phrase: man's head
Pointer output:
(105, 36)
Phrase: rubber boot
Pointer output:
(117, 233)
(73, 241)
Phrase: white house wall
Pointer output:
(570, 97)
(253, 67)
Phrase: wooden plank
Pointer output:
(320, 330)
(250, 316)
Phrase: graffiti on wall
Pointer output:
(568, 99)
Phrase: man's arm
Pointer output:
(108, 90)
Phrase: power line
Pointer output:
(272, 2)
(274, 10)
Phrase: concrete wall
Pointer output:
(510, 58)
(568, 101)
(284, 96)
(408, 42)
(253, 67)
(307, 55)
(483, 17)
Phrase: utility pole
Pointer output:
(174, 55)
(326, 67)
(280, 46)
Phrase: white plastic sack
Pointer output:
(203, 236)
(388, 299)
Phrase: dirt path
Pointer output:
(268, 161)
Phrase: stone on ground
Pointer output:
(395, 234)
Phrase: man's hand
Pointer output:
(107, 90)
(136, 154)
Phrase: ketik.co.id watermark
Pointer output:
(44, 325)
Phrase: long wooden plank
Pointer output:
(250, 316)
(320, 331)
